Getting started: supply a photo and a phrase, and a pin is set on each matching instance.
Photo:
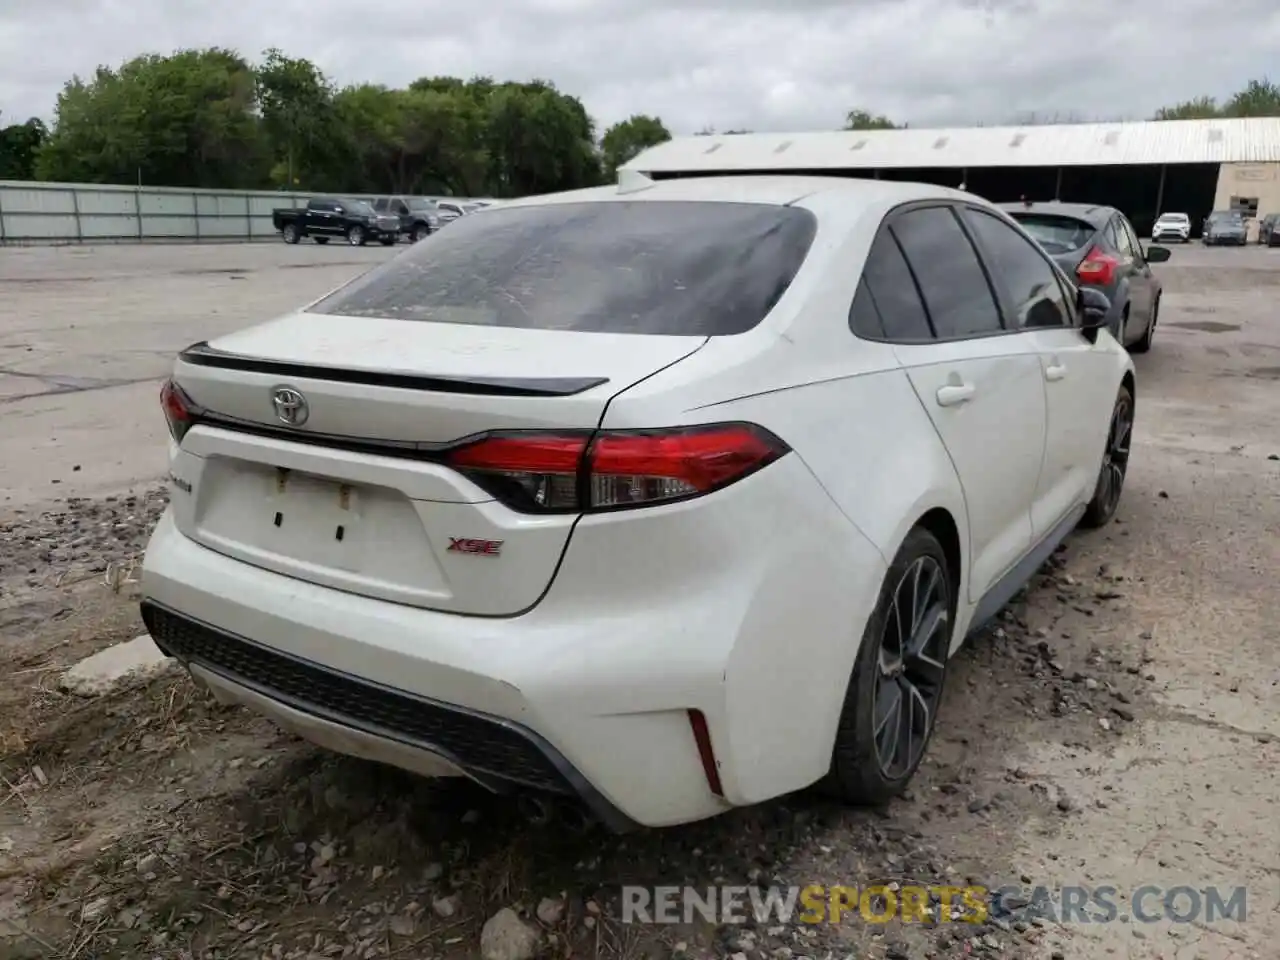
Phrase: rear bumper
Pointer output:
(354, 716)
(746, 605)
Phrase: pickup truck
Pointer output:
(418, 216)
(324, 218)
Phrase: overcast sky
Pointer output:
(779, 65)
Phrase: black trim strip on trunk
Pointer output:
(203, 355)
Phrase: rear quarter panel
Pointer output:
(868, 451)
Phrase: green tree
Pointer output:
(538, 140)
(627, 138)
(20, 144)
(1200, 108)
(1260, 98)
(189, 119)
(866, 120)
(296, 101)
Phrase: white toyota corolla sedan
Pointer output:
(671, 497)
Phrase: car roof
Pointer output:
(776, 190)
(1094, 214)
(1172, 214)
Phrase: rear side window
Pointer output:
(1030, 282)
(887, 305)
(1056, 234)
(864, 317)
(946, 267)
(1113, 238)
(645, 267)
(1124, 242)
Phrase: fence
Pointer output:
(59, 213)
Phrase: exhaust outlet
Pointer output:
(576, 817)
(534, 809)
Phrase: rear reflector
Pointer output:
(581, 471)
(702, 737)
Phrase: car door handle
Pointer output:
(1055, 371)
(954, 394)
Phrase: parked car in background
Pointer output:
(1225, 227)
(507, 507)
(1269, 230)
(1099, 248)
(324, 218)
(418, 216)
(450, 210)
(1172, 226)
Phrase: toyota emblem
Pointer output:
(291, 406)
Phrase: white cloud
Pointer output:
(757, 64)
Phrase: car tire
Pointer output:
(322, 240)
(289, 233)
(388, 241)
(356, 236)
(1143, 343)
(421, 232)
(890, 670)
(1115, 464)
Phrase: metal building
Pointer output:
(1189, 166)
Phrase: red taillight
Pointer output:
(1097, 268)
(179, 411)
(614, 469)
(532, 472)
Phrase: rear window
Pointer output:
(647, 267)
(1057, 234)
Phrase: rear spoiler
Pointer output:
(203, 355)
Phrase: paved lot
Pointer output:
(1120, 727)
(87, 333)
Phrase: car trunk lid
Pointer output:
(352, 494)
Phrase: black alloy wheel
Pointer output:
(910, 667)
(1115, 464)
(891, 704)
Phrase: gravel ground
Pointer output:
(1118, 726)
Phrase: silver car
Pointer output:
(1225, 227)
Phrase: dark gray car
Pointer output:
(1269, 230)
(1225, 227)
(1098, 247)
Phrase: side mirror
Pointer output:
(1157, 254)
(1094, 307)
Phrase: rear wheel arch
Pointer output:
(939, 522)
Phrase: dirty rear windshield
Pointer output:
(645, 267)
(1057, 234)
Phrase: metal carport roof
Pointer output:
(1252, 140)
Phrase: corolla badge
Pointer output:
(291, 406)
